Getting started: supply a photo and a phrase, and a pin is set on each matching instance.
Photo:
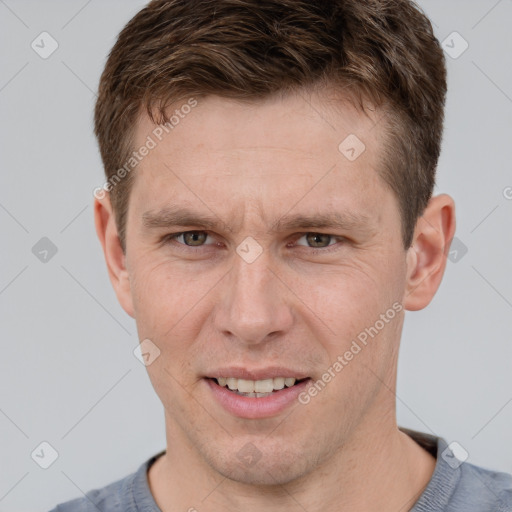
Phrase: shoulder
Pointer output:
(458, 486)
(107, 499)
(482, 489)
(129, 494)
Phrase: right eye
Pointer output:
(190, 238)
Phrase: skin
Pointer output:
(297, 306)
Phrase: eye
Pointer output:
(317, 240)
(190, 238)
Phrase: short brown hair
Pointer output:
(381, 50)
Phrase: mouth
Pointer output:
(256, 388)
(256, 399)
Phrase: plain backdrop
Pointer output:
(68, 375)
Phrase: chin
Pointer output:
(263, 476)
(268, 467)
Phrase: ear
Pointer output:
(114, 256)
(426, 258)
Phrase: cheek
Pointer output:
(343, 297)
(347, 302)
(169, 300)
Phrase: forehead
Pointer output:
(304, 148)
(226, 124)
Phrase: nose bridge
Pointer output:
(253, 304)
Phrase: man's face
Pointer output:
(267, 288)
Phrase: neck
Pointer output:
(377, 469)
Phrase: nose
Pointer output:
(254, 303)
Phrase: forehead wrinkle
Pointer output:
(260, 148)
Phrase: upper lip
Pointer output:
(257, 373)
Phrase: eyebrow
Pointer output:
(178, 216)
(175, 216)
(332, 220)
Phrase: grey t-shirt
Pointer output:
(454, 487)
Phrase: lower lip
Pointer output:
(252, 407)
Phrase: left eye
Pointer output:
(317, 240)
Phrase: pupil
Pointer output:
(194, 237)
(318, 239)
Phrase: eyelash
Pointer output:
(171, 237)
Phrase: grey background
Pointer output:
(68, 373)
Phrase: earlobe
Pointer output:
(426, 258)
(115, 258)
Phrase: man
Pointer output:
(267, 220)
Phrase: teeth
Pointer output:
(232, 383)
(246, 386)
(262, 386)
(279, 382)
(255, 387)
(289, 382)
